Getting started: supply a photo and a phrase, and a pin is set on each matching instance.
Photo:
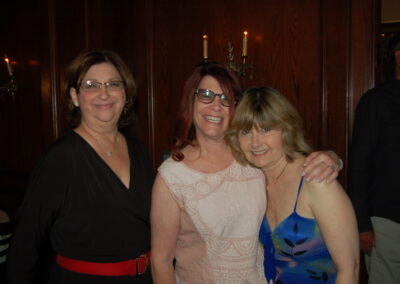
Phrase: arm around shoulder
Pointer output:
(335, 216)
(165, 222)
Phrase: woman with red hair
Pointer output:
(207, 208)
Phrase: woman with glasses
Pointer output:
(206, 208)
(89, 197)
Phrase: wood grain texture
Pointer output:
(318, 53)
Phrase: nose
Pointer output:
(255, 141)
(216, 104)
(104, 92)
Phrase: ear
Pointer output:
(74, 97)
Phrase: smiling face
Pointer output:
(210, 120)
(262, 147)
(102, 107)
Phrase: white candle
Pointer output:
(244, 53)
(9, 68)
(205, 47)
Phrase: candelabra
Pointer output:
(10, 87)
(243, 69)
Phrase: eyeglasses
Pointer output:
(94, 86)
(208, 96)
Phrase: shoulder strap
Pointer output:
(298, 193)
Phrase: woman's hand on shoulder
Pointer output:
(322, 166)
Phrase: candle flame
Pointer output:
(245, 33)
(204, 36)
(6, 60)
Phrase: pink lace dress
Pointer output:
(221, 214)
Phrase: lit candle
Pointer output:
(9, 68)
(244, 53)
(205, 47)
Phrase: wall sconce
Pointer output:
(11, 86)
(243, 69)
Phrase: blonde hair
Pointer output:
(265, 107)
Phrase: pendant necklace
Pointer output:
(280, 174)
(108, 153)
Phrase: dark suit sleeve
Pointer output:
(362, 156)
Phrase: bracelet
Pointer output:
(340, 162)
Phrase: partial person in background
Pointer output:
(309, 231)
(89, 196)
(373, 171)
(5, 237)
(206, 208)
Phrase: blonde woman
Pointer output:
(309, 230)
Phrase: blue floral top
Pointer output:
(295, 252)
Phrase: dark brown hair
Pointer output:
(79, 67)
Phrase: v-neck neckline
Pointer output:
(294, 212)
(107, 166)
(284, 220)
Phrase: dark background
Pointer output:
(322, 54)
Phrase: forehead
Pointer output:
(254, 119)
(210, 83)
(102, 71)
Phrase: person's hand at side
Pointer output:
(165, 222)
(367, 242)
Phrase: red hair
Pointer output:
(230, 85)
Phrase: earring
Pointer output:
(76, 103)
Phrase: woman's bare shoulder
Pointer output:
(316, 188)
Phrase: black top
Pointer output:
(374, 186)
(78, 202)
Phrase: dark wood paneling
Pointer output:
(319, 53)
(335, 71)
(83, 25)
(22, 119)
(285, 49)
(70, 36)
(363, 35)
(26, 123)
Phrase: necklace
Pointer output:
(281, 173)
(109, 153)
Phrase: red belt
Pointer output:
(130, 267)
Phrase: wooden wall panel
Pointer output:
(26, 122)
(70, 36)
(283, 47)
(319, 53)
(89, 24)
(335, 72)
(362, 64)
